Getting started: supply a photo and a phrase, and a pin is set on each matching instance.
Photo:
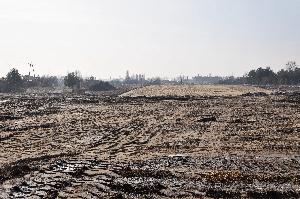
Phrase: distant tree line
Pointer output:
(206, 79)
(15, 82)
(76, 82)
(290, 75)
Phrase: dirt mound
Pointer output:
(194, 90)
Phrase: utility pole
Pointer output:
(31, 68)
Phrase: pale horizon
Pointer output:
(163, 38)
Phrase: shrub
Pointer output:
(101, 86)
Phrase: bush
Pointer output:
(101, 86)
(46, 81)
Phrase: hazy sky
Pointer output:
(155, 37)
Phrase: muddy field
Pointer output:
(242, 145)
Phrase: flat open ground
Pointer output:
(156, 142)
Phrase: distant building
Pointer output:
(31, 81)
(90, 81)
(135, 79)
(29, 78)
